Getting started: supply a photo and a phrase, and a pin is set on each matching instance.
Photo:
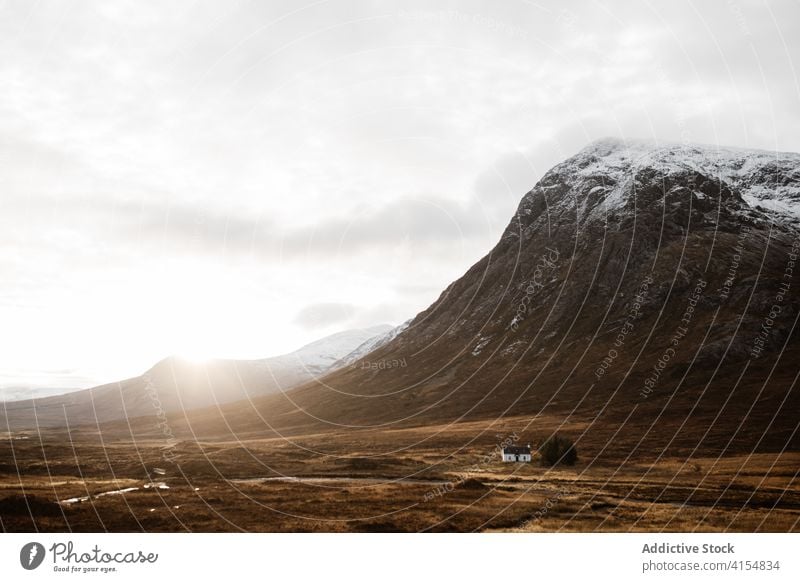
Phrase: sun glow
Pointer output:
(205, 311)
(194, 358)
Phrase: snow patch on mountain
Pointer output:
(371, 345)
(482, 343)
(320, 356)
(602, 178)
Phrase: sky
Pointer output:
(237, 179)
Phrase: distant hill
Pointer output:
(177, 385)
(14, 393)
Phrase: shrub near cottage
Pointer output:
(557, 450)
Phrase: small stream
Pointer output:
(87, 497)
(345, 480)
(72, 500)
(257, 480)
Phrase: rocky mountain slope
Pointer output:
(645, 291)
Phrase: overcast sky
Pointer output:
(239, 178)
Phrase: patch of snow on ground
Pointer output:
(482, 342)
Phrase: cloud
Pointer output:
(321, 315)
(424, 223)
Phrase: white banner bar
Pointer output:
(401, 557)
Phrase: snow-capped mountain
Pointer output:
(370, 345)
(634, 277)
(320, 356)
(608, 176)
(637, 286)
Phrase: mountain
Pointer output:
(639, 291)
(178, 385)
(13, 393)
(320, 356)
(370, 346)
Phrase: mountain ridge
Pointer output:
(568, 278)
(525, 330)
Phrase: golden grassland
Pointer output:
(445, 478)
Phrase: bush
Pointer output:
(558, 450)
(29, 505)
(472, 483)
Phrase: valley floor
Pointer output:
(432, 479)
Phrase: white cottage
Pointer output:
(517, 454)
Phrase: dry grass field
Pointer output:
(439, 478)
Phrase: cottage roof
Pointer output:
(517, 450)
